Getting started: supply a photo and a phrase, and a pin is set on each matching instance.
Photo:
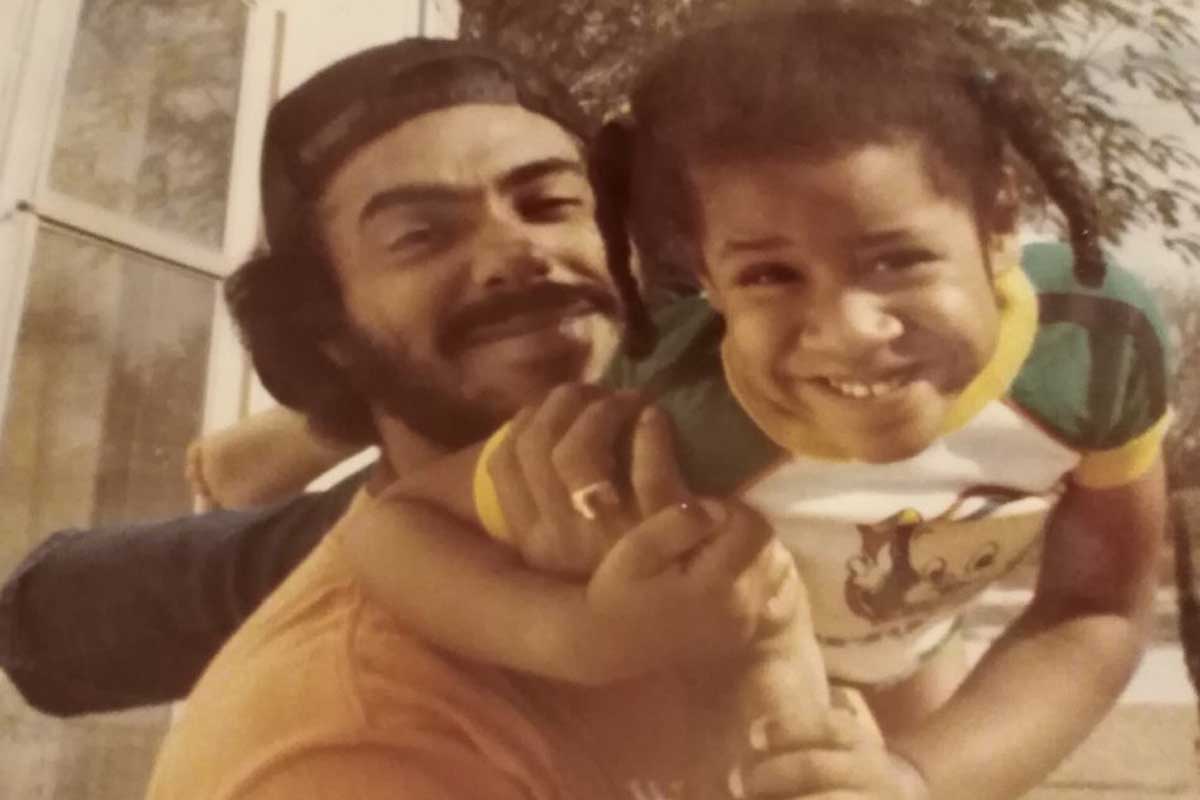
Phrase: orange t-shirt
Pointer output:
(321, 696)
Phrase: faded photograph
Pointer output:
(646, 400)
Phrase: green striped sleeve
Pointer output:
(719, 446)
(1097, 374)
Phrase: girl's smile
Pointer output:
(857, 296)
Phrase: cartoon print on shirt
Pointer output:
(911, 566)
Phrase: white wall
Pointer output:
(317, 33)
(441, 18)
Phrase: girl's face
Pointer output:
(856, 296)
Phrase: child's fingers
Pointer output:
(738, 543)
(839, 729)
(797, 773)
(783, 601)
(780, 578)
(662, 540)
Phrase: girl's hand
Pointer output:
(841, 760)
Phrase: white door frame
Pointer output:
(34, 83)
(30, 80)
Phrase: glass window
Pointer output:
(147, 122)
(107, 390)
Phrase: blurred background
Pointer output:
(129, 136)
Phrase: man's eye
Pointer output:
(413, 238)
(768, 274)
(549, 208)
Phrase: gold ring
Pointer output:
(586, 501)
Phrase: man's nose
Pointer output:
(508, 257)
(848, 324)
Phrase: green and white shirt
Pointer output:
(891, 553)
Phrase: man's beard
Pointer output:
(400, 385)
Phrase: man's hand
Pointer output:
(674, 578)
(569, 443)
(264, 458)
(193, 473)
(842, 759)
(699, 578)
(695, 582)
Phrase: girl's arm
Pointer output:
(444, 579)
(1037, 693)
(1044, 685)
(688, 581)
(420, 552)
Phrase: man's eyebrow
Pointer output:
(756, 244)
(536, 170)
(421, 193)
(413, 194)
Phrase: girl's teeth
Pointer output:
(861, 391)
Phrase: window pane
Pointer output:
(107, 390)
(148, 117)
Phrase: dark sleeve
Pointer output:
(123, 616)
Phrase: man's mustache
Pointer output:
(540, 298)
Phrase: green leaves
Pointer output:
(1116, 71)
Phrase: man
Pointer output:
(179, 588)
(434, 265)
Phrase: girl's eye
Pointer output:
(899, 261)
(771, 273)
(550, 208)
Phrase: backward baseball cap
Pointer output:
(317, 126)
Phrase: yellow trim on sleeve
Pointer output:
(487, 500)
(1018, 304)
(1105, 469)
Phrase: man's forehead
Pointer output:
(463, 146)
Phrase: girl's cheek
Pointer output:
(757, 334)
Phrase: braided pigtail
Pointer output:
(611, 170)
(1186, 597)
(1011, 100)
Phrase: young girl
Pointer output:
(874, 367)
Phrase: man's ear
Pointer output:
(1003, 246)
